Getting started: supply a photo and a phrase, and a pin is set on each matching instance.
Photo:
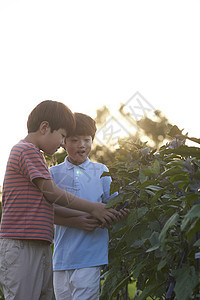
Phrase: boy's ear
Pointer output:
(44, 126)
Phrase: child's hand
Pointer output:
(106, 225)
(123, 213)
(105, 215)
(87, 222)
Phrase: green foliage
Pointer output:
(156, 244)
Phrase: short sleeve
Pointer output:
(32, 164)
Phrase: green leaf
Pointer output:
(179, 177)
(155, 247)
(112, 279)
(156, 197)
(114, 201)
(150, 192)
(172, 171)
(176, 162)
(161, 264)
(194, 140)
(174, 131)
(148, 291)
(132, 217)
(154, 238)
(156, 167)
(149, 171)
(145, 151)
(114, 187)
(193, 229)
(141, 211)
(186, 281)
(196, 162)
(171, 222)
(154, 188)
(142, 176)
(120, 285)
(105, 174)
(186, 151)
(137, 270)
(194, 212)
(197, 243)
(146, 183)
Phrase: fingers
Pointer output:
(123, 212)
(105, 215)
(90, 228)
(111, 216)
(113, 213)
(90, 224)
(104, 226)
(92, 221)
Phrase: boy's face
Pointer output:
(78, 148)
(53, 140)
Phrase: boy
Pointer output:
(80, 247)
(29, 193)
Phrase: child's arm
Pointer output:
(55, 195)
(84, 222)
(67, 212)
(74, 218)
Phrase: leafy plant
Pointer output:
(157, 244)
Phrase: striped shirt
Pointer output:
(25, 212)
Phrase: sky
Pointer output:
(93, 53)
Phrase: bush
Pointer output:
(156, 245)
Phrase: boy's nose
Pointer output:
(81, 144)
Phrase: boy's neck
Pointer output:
(76, 163)
(31, 138)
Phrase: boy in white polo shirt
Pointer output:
(81, 246)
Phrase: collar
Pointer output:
(82, 166)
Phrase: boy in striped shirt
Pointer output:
(29, 194)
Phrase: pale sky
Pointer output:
(89, 53)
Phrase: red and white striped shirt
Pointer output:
(25, 212)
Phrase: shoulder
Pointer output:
(23, 145)
(24, 148)
(57, 168)
(97, 166)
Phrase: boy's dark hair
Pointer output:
(85, 125)
(57, 114)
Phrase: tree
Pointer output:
(156, 129)
(153, 130)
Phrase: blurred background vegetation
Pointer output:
(152, 129)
